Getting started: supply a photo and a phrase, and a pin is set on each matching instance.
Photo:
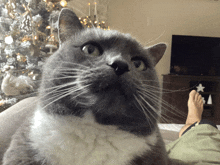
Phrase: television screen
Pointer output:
(195, 55)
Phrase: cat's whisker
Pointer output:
(51, 79)
(154, 98)
(152, 87)
(162, 90)
(58, 97)
(77, 73)
(151, 106)
(142, 108)
(57, 94)
(157, 112)
(71, 69)
(155, 39)
(145, 110)
(78, 10)
(70, 84)
(55, 89)
(74, 64)
(88, 69)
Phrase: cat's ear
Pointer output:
(68, 25)
(157, 51)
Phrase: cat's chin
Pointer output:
(114, 91)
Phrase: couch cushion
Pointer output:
(12, 118)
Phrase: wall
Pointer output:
(153, 21)
(81, 8)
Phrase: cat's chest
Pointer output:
(83, 142)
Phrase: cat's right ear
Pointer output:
(69, 24)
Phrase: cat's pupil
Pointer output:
(137, 63)
(91, 49)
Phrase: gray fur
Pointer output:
(114, 86)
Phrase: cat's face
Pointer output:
(105, 72)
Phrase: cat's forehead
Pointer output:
(106, 37)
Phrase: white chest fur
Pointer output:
(68, 140)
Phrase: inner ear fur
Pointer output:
(69, 24)
(157, 51)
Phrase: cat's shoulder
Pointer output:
(19, 150)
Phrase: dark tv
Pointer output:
(195, 55)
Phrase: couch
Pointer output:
(14, 116)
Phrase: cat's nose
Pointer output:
(120, 67)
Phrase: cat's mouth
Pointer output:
(106, 83)
(115, 88)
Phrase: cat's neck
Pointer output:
(82, 140)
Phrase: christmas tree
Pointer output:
(28, 36)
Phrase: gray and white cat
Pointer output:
(99, 103)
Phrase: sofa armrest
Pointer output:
(11, 119)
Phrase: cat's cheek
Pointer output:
(99, 78)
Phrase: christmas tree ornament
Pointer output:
(35, 36)
(13, 86)
(2, 102)
(25, 44)
(11, 61)
(34, 74)
(200, 88)
(25, 48)
(2, 66)
(37, 19)
(15, 26)
(9, 40)
(26, 38)
(63, 3)
(4, 13)
(11, 6)
(50, 6)
(26, 23)
(52, 44)
(7, 68)
(9, 51)
(21, 58)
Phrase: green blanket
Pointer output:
(200, 145)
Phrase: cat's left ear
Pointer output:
(69, 24)
(156, 51)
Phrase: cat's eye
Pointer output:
(91, 49)
(139, 64)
